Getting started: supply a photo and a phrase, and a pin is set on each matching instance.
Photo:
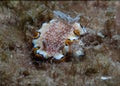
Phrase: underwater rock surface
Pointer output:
(101, 44)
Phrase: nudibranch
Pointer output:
(57, 38)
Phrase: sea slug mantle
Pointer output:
(55, 39)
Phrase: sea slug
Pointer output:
(58, 38)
